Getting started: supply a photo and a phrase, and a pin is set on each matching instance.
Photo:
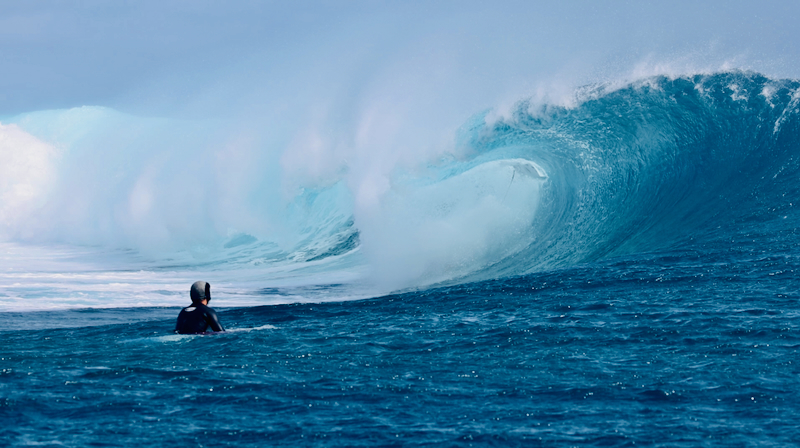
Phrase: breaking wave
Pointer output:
(622, 169)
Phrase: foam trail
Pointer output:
(178, 338)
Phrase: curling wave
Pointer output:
(627, 168)
(652, 164)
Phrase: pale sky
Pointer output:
(222, 57)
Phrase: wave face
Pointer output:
(653, 164)
(628, 168)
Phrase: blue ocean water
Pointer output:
(616, 272)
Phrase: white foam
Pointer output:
(247, 330)
(27, 174)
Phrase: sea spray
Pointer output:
(621, 170)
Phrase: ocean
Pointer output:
(619, 270)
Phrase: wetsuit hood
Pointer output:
(200, 291)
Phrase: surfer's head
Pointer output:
(200, 291)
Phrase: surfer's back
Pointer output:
(196, 319)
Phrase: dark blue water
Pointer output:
(696, 347)
(657, 306)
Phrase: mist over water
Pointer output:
(403, 145)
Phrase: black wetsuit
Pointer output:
(196, 319)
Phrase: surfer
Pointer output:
(197, 317)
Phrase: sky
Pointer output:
(221, 58)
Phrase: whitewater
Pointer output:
(402, 255)
(627, 169)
